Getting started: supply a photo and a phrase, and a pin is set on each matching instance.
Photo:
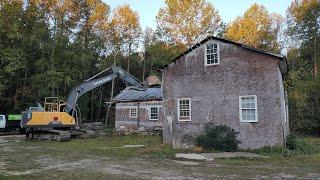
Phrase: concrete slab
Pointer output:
(189, 163)
(232, 155)
(133, 146)
(193, 156)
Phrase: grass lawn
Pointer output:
(105, 157)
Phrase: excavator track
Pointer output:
(59, 135)
(49, 135)
(82, 133)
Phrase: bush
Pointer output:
(299, 146)
(291, 142)
(219, 137)
(268, 150)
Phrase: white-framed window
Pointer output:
(212, 54)
(133, 112)
(248, 108)
(154, 113)
(184, 109)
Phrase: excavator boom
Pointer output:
(93, 83)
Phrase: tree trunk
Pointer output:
(100, 103)
(53, 51)
(315, 68)
(144, 65)
(91, 108)
(128, 67)
(315, 56)
(111, 94)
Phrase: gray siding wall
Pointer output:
(143, 119)
(215, 90)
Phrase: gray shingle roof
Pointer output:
(138, 94)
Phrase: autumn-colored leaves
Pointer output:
(187, 22)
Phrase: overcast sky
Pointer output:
(228, 9)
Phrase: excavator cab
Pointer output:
(51, 104)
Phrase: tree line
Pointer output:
(48, 47)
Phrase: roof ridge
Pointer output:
(211, 37)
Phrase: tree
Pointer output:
(124, 33)
(47, 47)
(256, 28)
(157, 53)
(187, 21)
(304, 26)
(126, 26)
(303, 82)
(94, 17)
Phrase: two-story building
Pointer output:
(224, 82)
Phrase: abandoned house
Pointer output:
(136, 108)
(223, 82)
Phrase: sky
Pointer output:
(228, 9)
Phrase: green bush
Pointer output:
(291, 142)
(294, 146)
(220, 137)
(299, 146)
(268, 150)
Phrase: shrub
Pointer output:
(291, 142)
(303, 147)
(268, 150)
(219, 137)
(299, 145)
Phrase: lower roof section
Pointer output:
(131, 94)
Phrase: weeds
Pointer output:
(295, 146)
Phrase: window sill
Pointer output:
(212, 64)
(248, 121)
(184, 120)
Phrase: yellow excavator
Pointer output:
(58, 120)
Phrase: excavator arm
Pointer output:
(94, 82)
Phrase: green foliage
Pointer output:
(41, 53)
(303, 147)
(291, 142)
(300, 146)
(219, 137)
(295, 146)
(303, 79)
(267, 150)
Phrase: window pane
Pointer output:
(248, 108)
(212, 53)
(133, 112)
(154, 113)
(252, 105)
(244, 112)
(184, 106)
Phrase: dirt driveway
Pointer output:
(105, 158)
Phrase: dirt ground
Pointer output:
(106, 158)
